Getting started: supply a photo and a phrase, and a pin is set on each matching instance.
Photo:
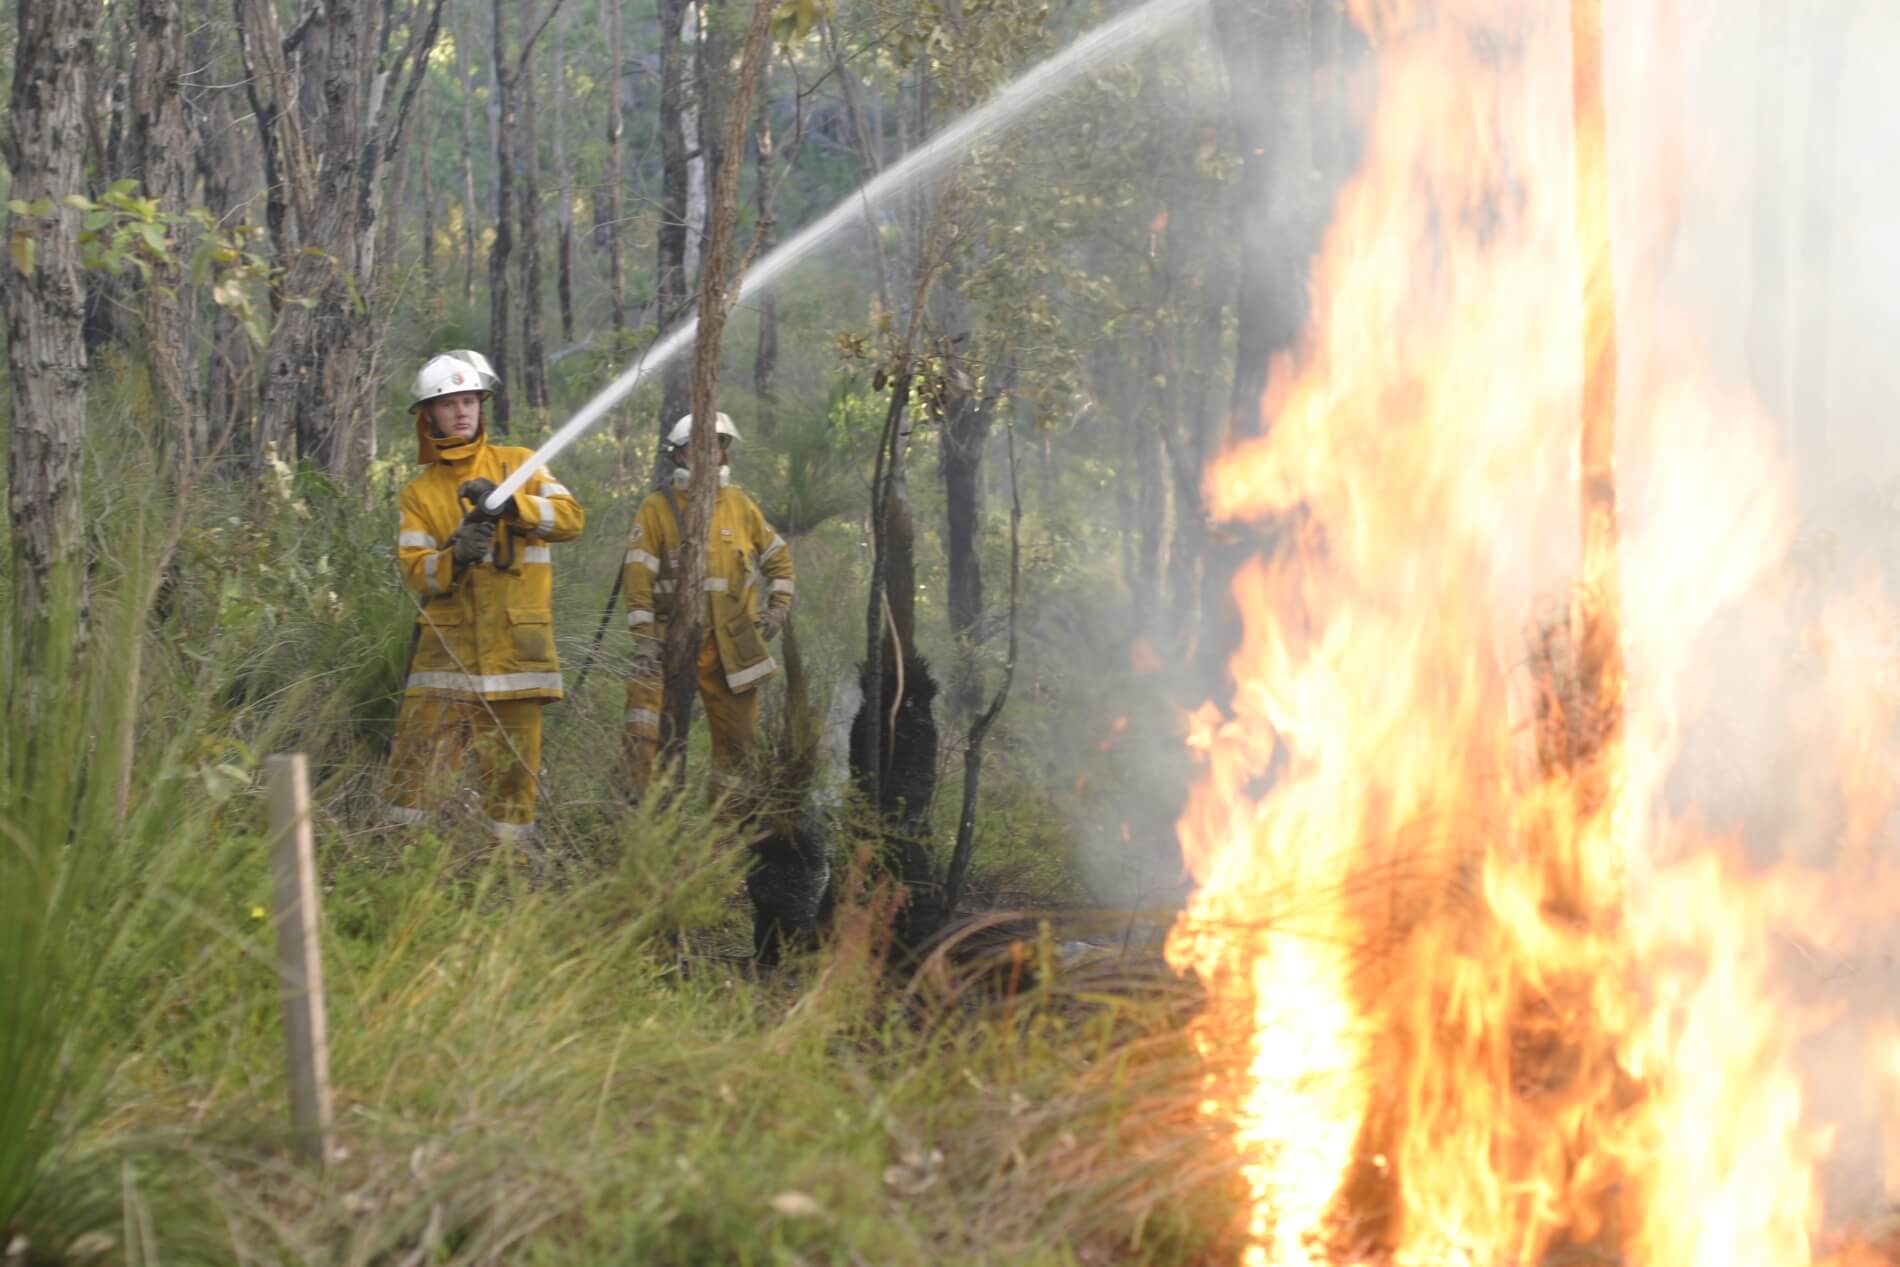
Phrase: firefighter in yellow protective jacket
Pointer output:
(484, 660)
(748, 599)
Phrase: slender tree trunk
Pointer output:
(765, 358)
(46, 304)
(425, 151)
(564, 214)
(616, 198)
(716, 295)
(693, 110)
(500, 308)
(534, 352)
(159, 156)
(670, 285)
(465, 85)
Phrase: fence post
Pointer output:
(299, 956)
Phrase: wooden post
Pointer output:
(299, 956)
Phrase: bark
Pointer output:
(327, 104)
(712, 54)
(158, 155)
(465, 89)
(765, 356)
(720, 277)
(425, 150)
(670, 284)
(534, 352)
(616, 203)
(45, 304)
(227, 178)
(964, 851)
(564, 213)
(501, 251)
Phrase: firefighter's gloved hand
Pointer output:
(471, 541)
(476, 491)
(646, 658)
(771, 621)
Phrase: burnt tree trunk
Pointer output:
(670, 283)
(720, 277)
(46, 310)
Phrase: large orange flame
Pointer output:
(1475, 994)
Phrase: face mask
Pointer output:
(683, 475)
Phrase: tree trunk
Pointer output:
(765, 358)
(466, 90)
(616, 199)
(499, 308)
(564, 214)
(534, 352)
(716, 295)
(425, 150)
(670, 284)
(45, 303)
(159, 156)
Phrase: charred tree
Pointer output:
(45, 303)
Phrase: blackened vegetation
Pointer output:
(906, 783)
(789, 881)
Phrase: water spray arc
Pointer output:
(1104, 43)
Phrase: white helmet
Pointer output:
(490, 379)
(683, 430)
(448, 374)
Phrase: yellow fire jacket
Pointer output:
(485, 632)
(743, 548)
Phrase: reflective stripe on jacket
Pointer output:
(485, 633)
(743, 550)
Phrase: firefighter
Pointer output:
(744, 559)
(484, 660)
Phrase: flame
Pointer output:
(1475, 993)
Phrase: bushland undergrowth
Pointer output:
(540, 1055)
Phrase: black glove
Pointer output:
(477, 491)
(471, 540)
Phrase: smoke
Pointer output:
(1770, 131)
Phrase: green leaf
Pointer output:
(18, 207)
(78, 202)
(154, 235)
(96, 220)
(123, 187)
(23, 248)
(41, 206)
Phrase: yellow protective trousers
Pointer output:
(732, 718)
(433, 737)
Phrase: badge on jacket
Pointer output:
(638, 534)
